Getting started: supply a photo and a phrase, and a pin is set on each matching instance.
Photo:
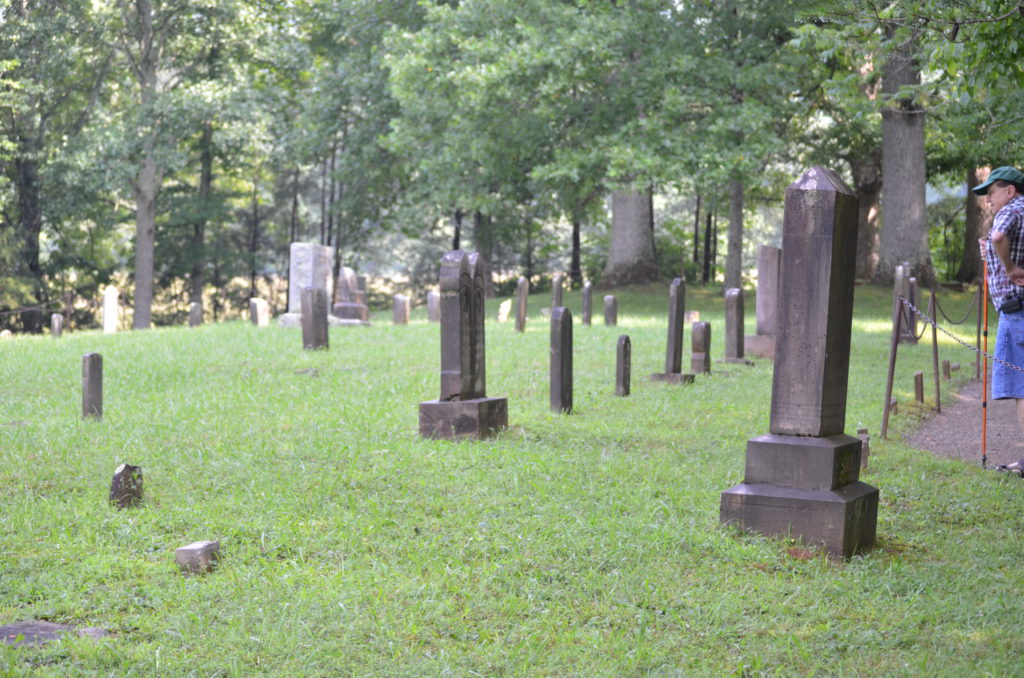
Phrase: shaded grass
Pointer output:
(570, 545)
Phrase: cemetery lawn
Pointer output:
(585, 545)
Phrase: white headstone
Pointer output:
(310, 267)
(110, 309)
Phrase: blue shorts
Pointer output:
(1007, 382)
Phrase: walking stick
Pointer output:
(984, 361)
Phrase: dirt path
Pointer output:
(957, 431)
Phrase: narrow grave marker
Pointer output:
(919, 386)
(92, 386)
(126, 486)
(700, 358)
(259, 312)
(734, 326)
(766, 303)
(433, 306)
(56, 325)
(674, 343)
(561, 360)
(400, 309)
(314, 319)
(588, 303)
(611, 310)
(522, 291)
(623, 365)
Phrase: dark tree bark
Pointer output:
(575, 268)
(734, 251)
(30, 225)
(199, 230)
(457, 222)
(867, 183)
(483, 239)
(978, 223)
(705, 275)
(631, 247)
(254, 237)
(696, 234)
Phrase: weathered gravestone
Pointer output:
(195, 314)
(92, 386)
(766, 303)
(801, 479)
(463, 409)
(400, 309)
(561, 360)
(919, 386)
(56, 325)
(522, 291)
(310, 266)
(734, 326)
(315, 335)
(35, 632)
(700, 348)
(433, 306)
(201, 557)
(905, 286)
(259, 312)
(126, 486)
(673, 373)
(504, 309)
(611, 310)
(588, 303)
(110, 309)
(557, 284)
(623, 365)
(349, 306)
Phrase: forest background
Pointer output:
(176, 147)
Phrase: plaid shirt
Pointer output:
(1010, 221)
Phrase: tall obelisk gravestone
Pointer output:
(801, 479)
(463, 410)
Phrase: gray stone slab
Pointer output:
(314, 319)
(806, 462)
(33, 633)
(672, 377)
(588, 303)
(522, 291)
(310, 266)
(92, 386)
(623, 365)
(766, 303)
(200, 557)
(433, 306)
(259, 312)
(561, 360)
(56, 325)
(126, 487)
(474, 418)
(611, 310)
(700, 351)
(734, 324)
(400, 309)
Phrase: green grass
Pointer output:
(570, 545)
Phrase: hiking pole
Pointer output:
(984, 361)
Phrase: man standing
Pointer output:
(1003, 250)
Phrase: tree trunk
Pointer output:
(867, 183)
(696, 235)
(330, 197)
(199, 231)
(705, 275)
(293, 230)
(255, 236)
(904, 222)
(631, 247)
(734, 252)
(978, 223)
(147, 187)
(457, 222)
(483, 238)
(575, 267)
(30, 225)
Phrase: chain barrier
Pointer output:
(54, 305)
(966, 315)
(955, 338)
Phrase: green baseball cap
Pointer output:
(1006, 173)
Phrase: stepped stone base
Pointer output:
(476, 418)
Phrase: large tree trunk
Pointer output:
(734, 253)
(867, 183)
(147, 187)
(483, 239)
(904, 222)
(696, 236)
(978, 223)
(575, 266)
(30, 225)
(631, 247)
(199, 231)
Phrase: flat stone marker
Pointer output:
(126, 487)
(700, 348)
(674, 344)
(504, 310)
(766, 303)
(400, 309)
(349, 304)
(259, 312)
(34, 633)
(588, 303)
(734, 326)
(311, 265)
(92, 386)
(433, 306)
(195, 314)
(802, 478)
(314, 319)
(561, 360)
(463, 409)
(623, 365)
(522, 291)
(200, 557)
(611, 310)
(56, 325)
(904, 285)
(110, 309)
(557, 284)
(919, 386)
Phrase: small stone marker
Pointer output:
(314, 319)
(865, 446)
(504, 310)
(557, 283)
(33, 633)
(310, 265)
(259, 312)
(904, 285)
(195, 314)
(522, 291)
(126, 487)
(349, 305)
(400, 309)
(919, 386)
(674, 344)
(611, 310)
(433, 306)
(201, 557)
(561, 360)
(734, 326)
(110, 309)
(945, 370)
(588, 303)
(700, 357)
(56, 325)
(623, 365)
(766, 303)
(802, 478)
(463, 410)
(92, 386)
